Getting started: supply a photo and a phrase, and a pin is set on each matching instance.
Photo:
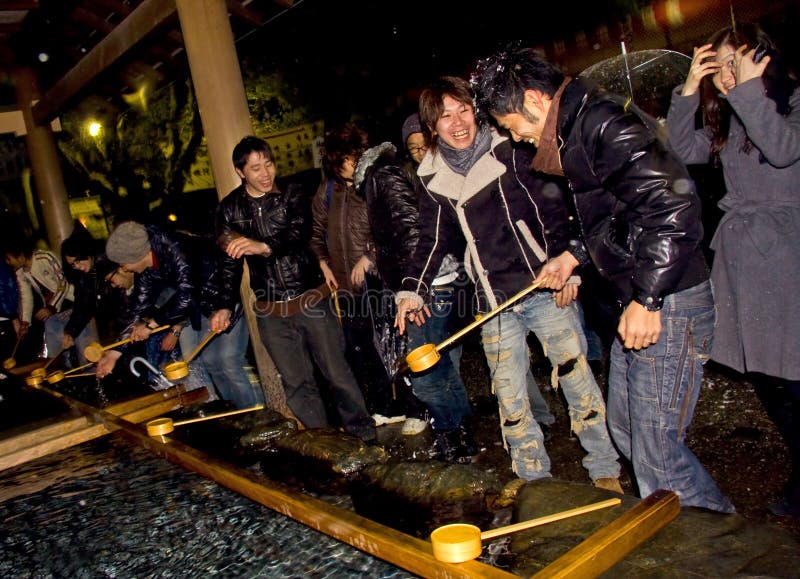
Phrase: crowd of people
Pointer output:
(515, 177)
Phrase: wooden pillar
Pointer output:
(219, 89)
(45, 165)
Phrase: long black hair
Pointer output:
(779, 83)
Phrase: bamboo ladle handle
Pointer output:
(68, 372)
(126, 340)
(94, 351)
(161, 426)
(492, 533)
(482, 319)
(200, 346)
(53, 359)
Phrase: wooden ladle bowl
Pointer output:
(33, 380)
(423, 357)
(55, 377)
(180, 369)
(461, 542)
(427, 355)
(9, 363)
(176, 370)
(39, 373)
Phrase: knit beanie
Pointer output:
(410, 126)
(128, 243)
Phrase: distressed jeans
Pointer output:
(652, 397)
(507, 353)
(440, 388)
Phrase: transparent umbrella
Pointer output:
(647, 77)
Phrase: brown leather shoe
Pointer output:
(609, 484)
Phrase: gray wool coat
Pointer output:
(756, 267)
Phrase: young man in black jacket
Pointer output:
(271, 229)
(475, 202)
(640, 218)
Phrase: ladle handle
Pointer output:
(492, 533)
(220, 415)
(336, 305)
(53, 359)
(200, 346)
(126, 340)
(68, 372)
(488, 316)
(14, 351)
(79, 375)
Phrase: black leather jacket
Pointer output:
(504, 219)
(637, 205)
(171, 269)
(393, 216)
(283, 221)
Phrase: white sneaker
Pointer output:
(413, 426)
(380, 419)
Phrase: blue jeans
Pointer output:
(292, 343)
(224, 358)
(440, 388)
(508, 355)
(539, 407)
(652, 396)
(54, 334)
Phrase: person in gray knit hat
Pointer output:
(414, 139)
(128, 243)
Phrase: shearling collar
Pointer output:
(460, 188)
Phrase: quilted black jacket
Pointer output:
(637, 206)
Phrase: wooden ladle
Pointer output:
(427, 355)
(461, 542)
(163, 425)
(180, 369)
(58, 375)
(94, 351)
(10, 362)
(41, 373)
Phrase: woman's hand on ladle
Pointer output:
(555, 273)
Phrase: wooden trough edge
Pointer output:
(603, 549)
(589, 559)
(70, 432)
(398, 548)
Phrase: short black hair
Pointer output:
(500, 80)
(247, 146)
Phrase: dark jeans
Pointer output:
(314, 335)
(365, 361)
(440, 388)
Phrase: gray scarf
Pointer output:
(462, 160)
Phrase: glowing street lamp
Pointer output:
(95, 128)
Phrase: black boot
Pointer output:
(447, 445)
(468, 446)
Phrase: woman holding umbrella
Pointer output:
(750, 106)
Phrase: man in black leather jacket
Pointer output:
(640, 219)
(271, 229)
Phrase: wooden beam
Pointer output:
(609, 545)
(242, 13)
(68, 433)
(6, 5)
(149, 15)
